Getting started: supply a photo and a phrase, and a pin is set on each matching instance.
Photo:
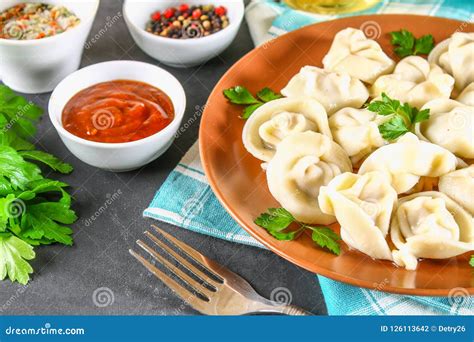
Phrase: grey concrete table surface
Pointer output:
(97, 276)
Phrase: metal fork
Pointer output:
(215, 291)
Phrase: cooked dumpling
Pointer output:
(467, 95)
(356, 130)
(459, 185)
(430, 225)
(277, 119)
(332, 90)
(456, 56)
(414, 81)
(408, 159)
(451, 125)
(362, 205)
(302, 164)
(353, 53)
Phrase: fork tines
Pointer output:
(202, 285)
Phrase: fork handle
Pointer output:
(290, 310)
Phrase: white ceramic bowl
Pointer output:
(118, 156)
(37, 66)
(181, 52)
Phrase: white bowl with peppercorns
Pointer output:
(183, 33)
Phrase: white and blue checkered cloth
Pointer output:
(186, 199)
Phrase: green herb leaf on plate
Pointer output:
(266, 95)
(277, 220)
(424, 45)
(240, 95)
(471, 262)
(406, 44)
(403, 119)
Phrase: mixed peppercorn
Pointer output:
(186, 21)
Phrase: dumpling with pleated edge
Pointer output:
(456, 56)
(430, 225)
(357, 131)
(408, 159)
(353, 53)
(362, 205)
(459, 186)
(450, 125)
(303, 163)
(467, 95)
(414, 81)
(277, 119)
(333, 90)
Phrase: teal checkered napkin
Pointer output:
(268, 19)
(186, 200)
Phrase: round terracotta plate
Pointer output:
(240, 184)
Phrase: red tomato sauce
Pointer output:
(117, 111)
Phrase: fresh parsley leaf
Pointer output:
(48, 159)
(15, 169)
(424, 45)
(404, 117)
(250, 109)
(421, 115)
(20, 113)
(393, 129)
(240, 95)
(277, 220)
(406, 44)
(14, 254)
(386, 106)
(471, 262)
(33, 209)
(326, 238)
(42, 221)
(266, 95)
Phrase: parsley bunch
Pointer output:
(277, 221)
(404, 117)
(241, 96)
(33, 209)
(406, 44)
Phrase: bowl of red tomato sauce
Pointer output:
(118, 115)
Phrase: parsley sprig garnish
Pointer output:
(33, 210)
(406, 44)
(241, 96)
(277, 220)
(471, 262)
(403, 120)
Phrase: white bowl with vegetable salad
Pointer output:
(41, 42)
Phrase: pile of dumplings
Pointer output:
(326, 161)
